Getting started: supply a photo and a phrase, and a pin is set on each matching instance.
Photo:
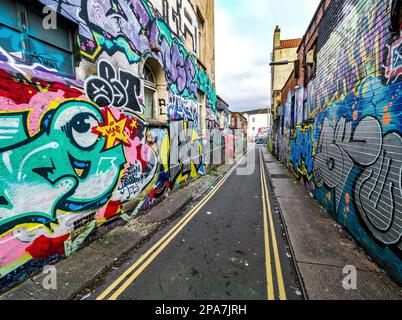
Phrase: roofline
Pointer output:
(293, 39)
(255, 110)
(311, 22)
(219, 97)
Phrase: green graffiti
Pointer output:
(63, 167)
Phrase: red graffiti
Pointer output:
(21, 91)
(43, 247)
(113, 208)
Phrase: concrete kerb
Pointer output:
(367, 268)
(278, 207)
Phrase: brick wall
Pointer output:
(348, 151)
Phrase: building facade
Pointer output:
(94, 98)
(239, 124)
(284, 54)
(226, 129)
(258, 120)
(342, 129)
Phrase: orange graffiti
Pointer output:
(386, 119)
(355, 115)
(347, 198)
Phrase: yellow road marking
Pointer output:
(278, 267)
(162, 243)
(268, 267)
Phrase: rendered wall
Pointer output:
(75, 153)
(349, 156)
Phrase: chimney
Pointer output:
(277, 38)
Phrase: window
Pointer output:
(22, 35)
(396, 16)
(201, 102)
(11, 28)
(155, 92)
(200, 31)
(297, 69)
(293, 112)
(149, 92)
(305, 110)
(253, 119)
(311, 63)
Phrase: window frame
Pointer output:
(200, 32)
(151, 86)
(27, 35)
(30, 35)
(148, 83)
(293, 113)
(19, 29)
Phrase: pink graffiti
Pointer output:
(37, 107)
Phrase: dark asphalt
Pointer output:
(219, 255)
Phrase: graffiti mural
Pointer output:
(65, 163)
(62, 157)
(188, 157)
(349, 152)
(114, 89)
(133, 28)
(75, 151)
(302, 151)
(181, 20)
(180, 108)
(185, 144)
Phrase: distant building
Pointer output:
(224, 115)
(239, 122)
(284, 53)
(257, 120)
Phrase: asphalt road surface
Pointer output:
(229, 246)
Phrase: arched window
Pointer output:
(149, 75)
(150, 88)
(155, 92)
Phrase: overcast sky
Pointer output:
(244, 35)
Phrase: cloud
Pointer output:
(244, 31)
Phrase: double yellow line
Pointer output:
(115, 290)
(270, 229)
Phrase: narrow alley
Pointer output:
(200, 150)
(226, 247)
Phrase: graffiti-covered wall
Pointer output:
(346, 140)
(76, 150)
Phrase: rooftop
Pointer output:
(290, 43)
(259, 111)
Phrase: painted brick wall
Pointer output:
(348, 152)
(75, 152)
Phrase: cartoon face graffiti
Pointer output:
(63, 167)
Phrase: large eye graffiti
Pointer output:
(81, 130)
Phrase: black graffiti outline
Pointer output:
(114, 88)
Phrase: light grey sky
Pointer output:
(244, 33)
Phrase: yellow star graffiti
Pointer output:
(113, 131)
